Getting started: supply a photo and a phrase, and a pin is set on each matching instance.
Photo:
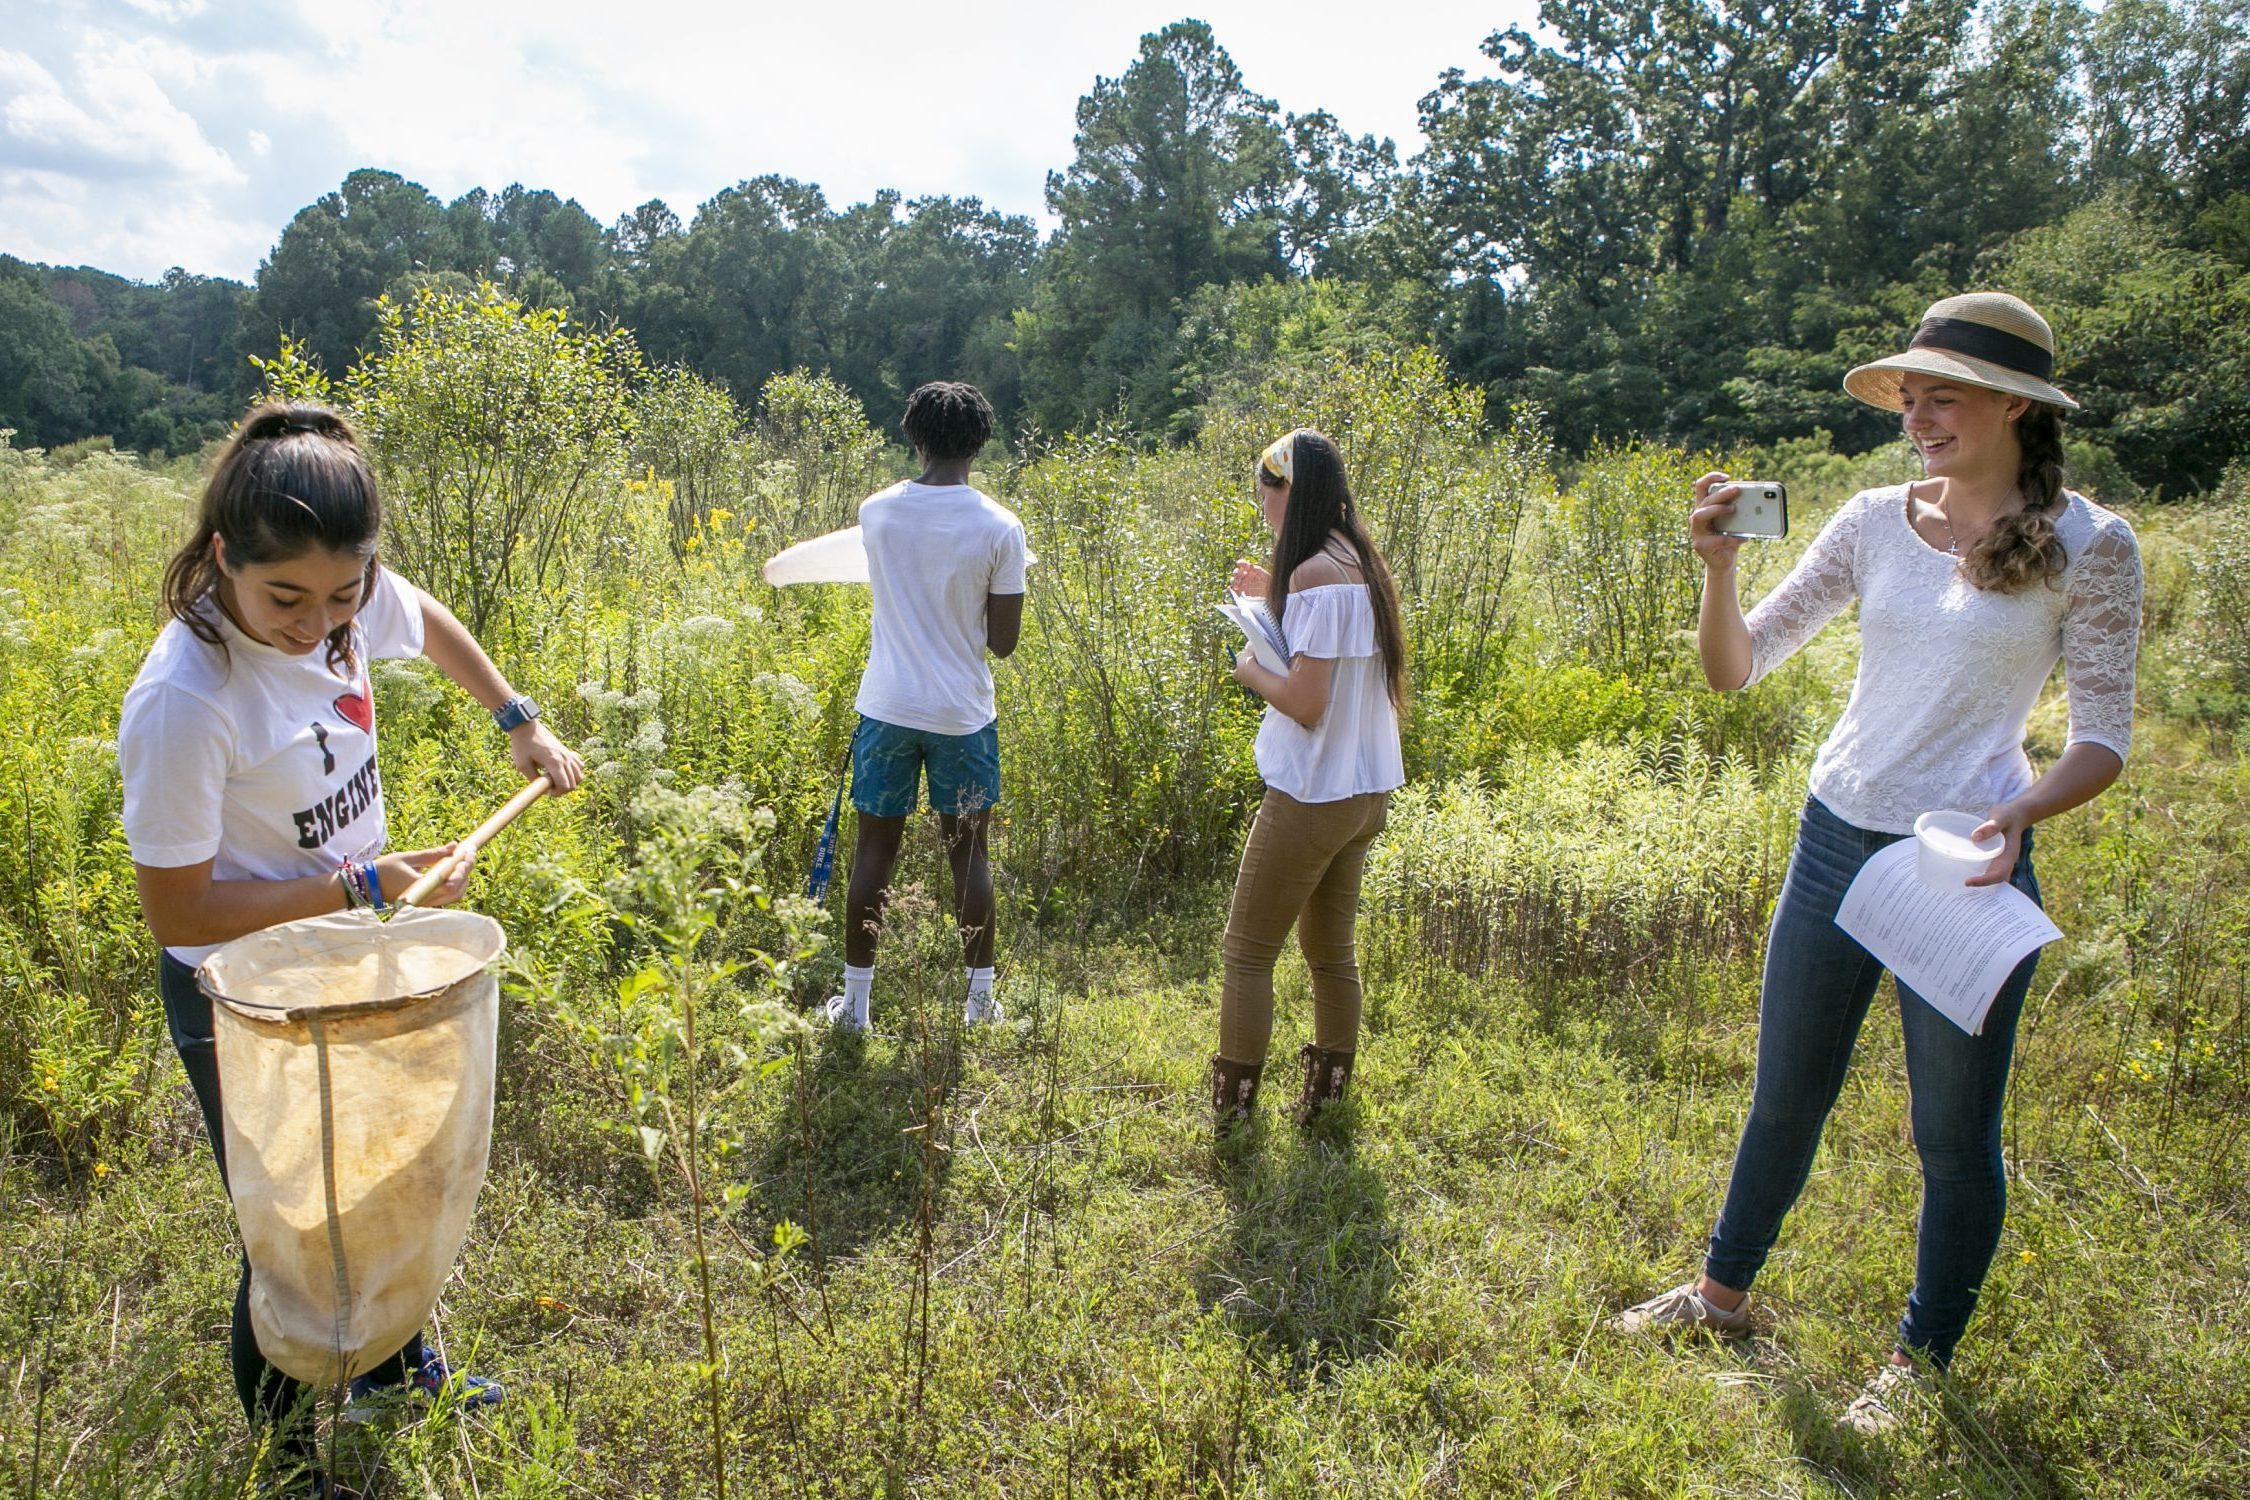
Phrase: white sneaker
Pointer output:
(838, 1012)
(982, 1009)
(1883, 1403)
(1683, 1307)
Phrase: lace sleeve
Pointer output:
(1824, 581)
(2101, 636)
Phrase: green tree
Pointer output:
(1181, 179)
(46, 389)
(1345, 194)
(1687, 219)
(759, 284)
(935, 284)
(2154, 336)
(500, 435)
(337, 257)
(2168, 88)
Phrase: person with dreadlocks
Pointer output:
(1328, 751)
(947, 566)
(247, 746)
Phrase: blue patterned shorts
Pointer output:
(887, 762)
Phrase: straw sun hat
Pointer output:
(1987, 339)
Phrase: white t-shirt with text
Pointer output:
(257, 760)
(934, 554)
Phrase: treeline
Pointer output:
(1676, 220)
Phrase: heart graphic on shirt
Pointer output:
(357, 708)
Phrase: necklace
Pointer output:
(1952, 540)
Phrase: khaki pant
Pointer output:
(1301, 866)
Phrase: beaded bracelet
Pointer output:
(363, 887)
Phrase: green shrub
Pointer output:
(499, 433)
(1620, 579)
(2223, 574)
(690, 436)
(1605, 880)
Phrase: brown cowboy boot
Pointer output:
(1234, 1089)
(1326, 1073)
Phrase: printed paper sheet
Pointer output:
(1954, 948)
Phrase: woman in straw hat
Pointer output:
(1972, 582)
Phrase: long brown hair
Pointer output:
(1320, 502)
(2023, 548)
(291, 478)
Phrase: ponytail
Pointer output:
(2023, 548)
(291, 478)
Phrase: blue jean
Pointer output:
(1818, 984)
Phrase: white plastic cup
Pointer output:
(1946, 856)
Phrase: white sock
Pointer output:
(859, 991)
(980, 982)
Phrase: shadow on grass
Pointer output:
(841, 1160)
(1952, 1444)
(1310, 1263)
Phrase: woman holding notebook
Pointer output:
(1328, 751)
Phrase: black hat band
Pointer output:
(1994, 346)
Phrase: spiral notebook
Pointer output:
(1258, 626)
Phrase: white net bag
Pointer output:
(355, 1072)
(838, 557)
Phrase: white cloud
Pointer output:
(112, 120)
(67, 220)
(169, 10)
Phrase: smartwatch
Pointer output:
(515, 713)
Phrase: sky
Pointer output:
(137, 135)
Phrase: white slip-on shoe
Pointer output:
(838, 1012)
(982, 1008)
(1884, 1403)
(1683, 1307)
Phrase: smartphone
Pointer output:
(1761, 511)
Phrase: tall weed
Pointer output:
(1609, 883)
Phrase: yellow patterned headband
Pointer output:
(1279, 459)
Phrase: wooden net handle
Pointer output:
(435, 875)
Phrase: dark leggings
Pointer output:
(268, 1396)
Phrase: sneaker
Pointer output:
(982, 1009)
(838, 1012)
(1883, 1403)
(1683, 1307)
(370, 1399)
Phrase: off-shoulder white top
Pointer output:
(1354, 748)
(1948, 672)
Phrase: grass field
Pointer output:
(1008, 1262)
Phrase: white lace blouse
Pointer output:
(1948, 672)
(1354, 748)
